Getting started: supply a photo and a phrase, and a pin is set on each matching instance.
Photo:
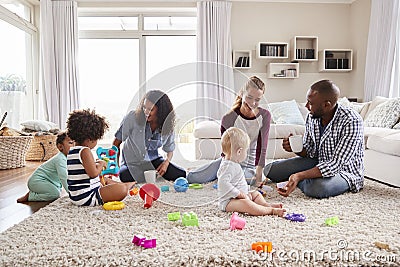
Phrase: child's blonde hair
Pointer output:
(234, 138)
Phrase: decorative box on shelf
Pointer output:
(272, 50)
(336, 60)
(241, 59)
(304, 48)
(283, 70)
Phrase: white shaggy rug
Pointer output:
(62, 234)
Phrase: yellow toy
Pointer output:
(114, 205)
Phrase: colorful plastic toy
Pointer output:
(138, 239)
(181, 184)
(174, 216)
(195, 186)
(134, 191)
(110, 156)
(164, 188)
(190, 219)
(114, 205)
(149, 193)
(296, 217)
(143, 242)
(262, 246)
(236, 223)
(149, 243)
(332, 221)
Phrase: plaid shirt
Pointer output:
(340, 149)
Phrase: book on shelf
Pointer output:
(305, 53)
(239, 62)
(245, 62)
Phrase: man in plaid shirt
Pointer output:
(332, 160)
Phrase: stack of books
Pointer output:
(243, 62)
(305, 53)
(272, 50)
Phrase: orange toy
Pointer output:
(262, 246)
(134, 191)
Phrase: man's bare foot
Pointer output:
(279, 212)
(23, 198)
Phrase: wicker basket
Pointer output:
(42, 148)
(13, 150)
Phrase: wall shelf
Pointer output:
(304, 48)
(272, 50)
(336, 60)
(283, 70)
(241, 59)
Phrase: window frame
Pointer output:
(32, 54)
(140, 34)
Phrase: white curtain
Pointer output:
(215, 92)
(59, 42)
(382, 70)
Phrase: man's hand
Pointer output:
(286, 145)
(290, 186)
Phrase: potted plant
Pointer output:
(12, 83)
(12, 95)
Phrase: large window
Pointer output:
(164, 55)
(17, 95)
(120, 54)
(109, 76)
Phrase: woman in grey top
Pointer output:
(143, 132)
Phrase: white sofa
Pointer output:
(382, 145)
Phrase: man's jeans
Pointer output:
(279, 171)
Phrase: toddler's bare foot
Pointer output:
(276, 205)
(279, 212)
(23, 198)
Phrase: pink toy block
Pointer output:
(138, 239)
(237, 222)
(150, 243)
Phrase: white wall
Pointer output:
(359, 27)
(254, 22)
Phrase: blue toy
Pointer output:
(215, 186)
(164, 188)
(110, 156)
(181, 184)
(296, 217)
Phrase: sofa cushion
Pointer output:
(397, 126)
(389, 144)
(39, 125)
(374, 103)
(283, 130)
(303, 110)
(207, 129)
(286, 112)
(384, 115)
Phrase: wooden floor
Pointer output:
(13, 184)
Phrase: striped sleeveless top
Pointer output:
(83, 190)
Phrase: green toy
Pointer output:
(332, 221)
(174, 216)
(190, 219)
(196, 186)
